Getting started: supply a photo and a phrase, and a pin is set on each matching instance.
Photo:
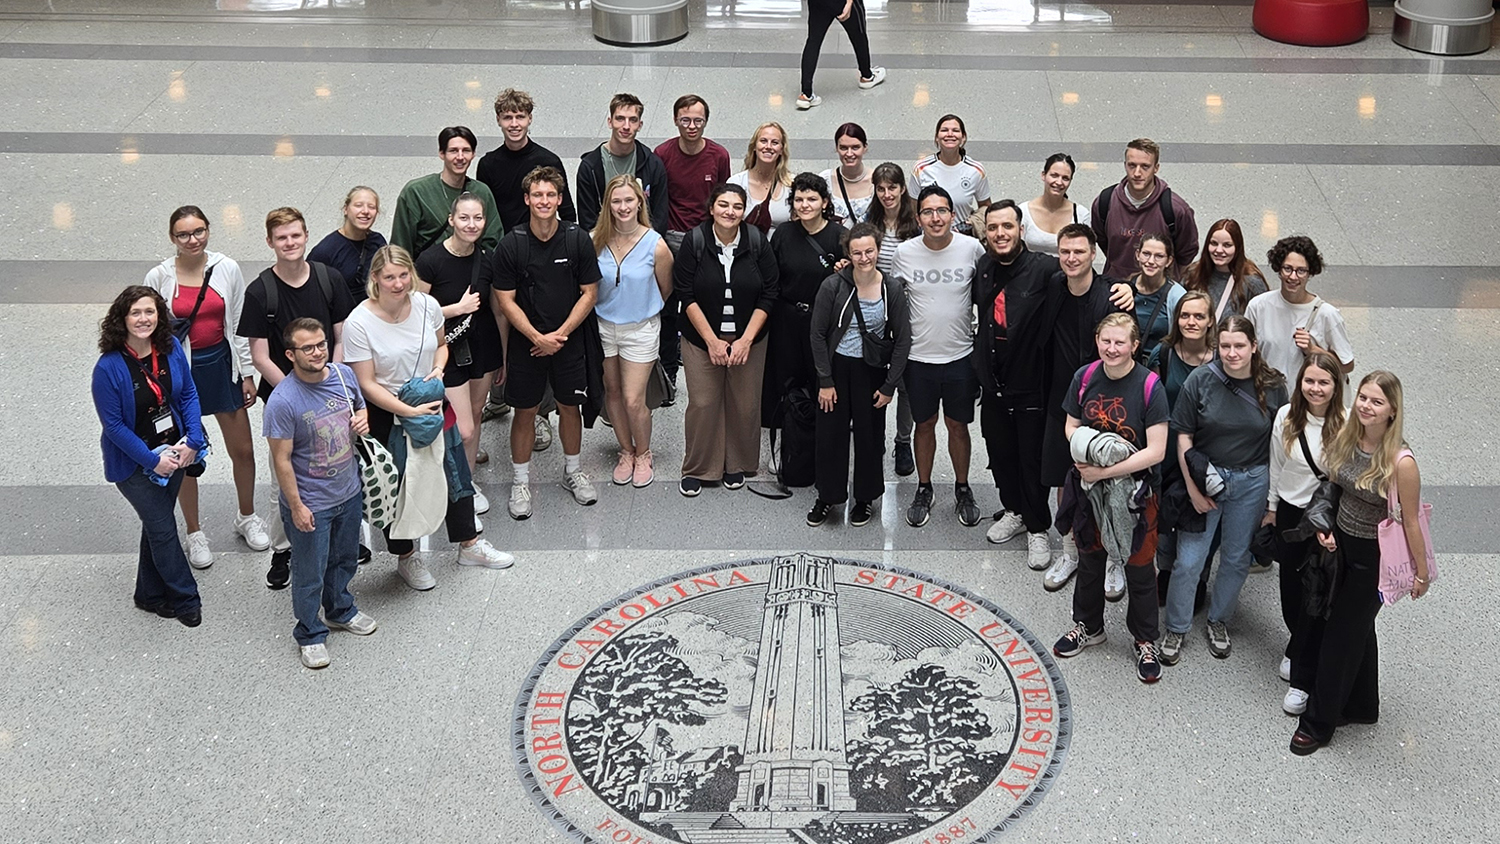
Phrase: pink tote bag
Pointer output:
(1398, 571)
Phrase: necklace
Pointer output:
(623, 233)
(863, 174)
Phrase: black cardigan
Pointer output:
(698, 276)
(1029, 316)
(833, 313)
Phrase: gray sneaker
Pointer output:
(520, 501)
(314, 656)
(1171, 649)
(359, 624)
(543, 439)
(1218, 639)
(582, 488)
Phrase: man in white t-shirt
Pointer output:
(1290, 322)
(938, 270)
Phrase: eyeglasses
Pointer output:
(692, 122)
(195, 234)
(1294, 272)
(319, 346)
(935, 212)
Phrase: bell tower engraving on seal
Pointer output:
(795, 758)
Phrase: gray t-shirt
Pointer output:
(938, 291)
(1225, 427)
(315, 417)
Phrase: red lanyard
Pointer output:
(152, 376)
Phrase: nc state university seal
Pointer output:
(799, 699)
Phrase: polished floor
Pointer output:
(117, 726)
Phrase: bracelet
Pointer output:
(1422, 581)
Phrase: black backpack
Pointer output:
(273, 298)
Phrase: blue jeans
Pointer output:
(163, 577)
(1242, 504)
(323, 562)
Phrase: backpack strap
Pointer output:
(1152, 382)
(273, 299)
(1168, 215)
(1088, 375)
(1101, 222)
(1229, 385)
(320, 270)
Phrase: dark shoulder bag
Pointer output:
(877, 349)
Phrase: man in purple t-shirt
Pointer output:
(694, 165)
(310, 424)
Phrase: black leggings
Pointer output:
(1345, 678)
(821, 15)
(855, 382)
(460, 517)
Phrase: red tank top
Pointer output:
(207, 330)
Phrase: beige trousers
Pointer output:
(722, 422)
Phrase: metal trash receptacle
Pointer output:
(640, 23)
(1443, 27)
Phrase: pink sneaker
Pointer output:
(643, 472)
(625, 469)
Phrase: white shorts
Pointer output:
(637, 342)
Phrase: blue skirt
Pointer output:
(213, 375)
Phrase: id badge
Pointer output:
(163, 421)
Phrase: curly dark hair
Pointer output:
(811, 182)
(113, 331)
(1300, 244)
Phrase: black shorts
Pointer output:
(527, 376)
(954, 384)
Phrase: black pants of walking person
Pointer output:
(1142, 617)
(460, 516)
(1344, 682)
(855, 383)
(820, 15)
(1013, 430)
(1290, 556)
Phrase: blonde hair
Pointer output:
(389, 255)
(349, 197)
(1119, 320)
(605, 228)
(783, 171)
(1340, 450)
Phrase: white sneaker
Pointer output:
(543, 437)
(253, 531)
(198, 553)
(1295, 702)
(485, 555)
(1114, 581)
(1285, 672)
(1005, 528)
(877, 77)
(520, 501)
(481, 503)
(415, 574)
(1038, 551)
(359, 624)
(805, 102)
(314, 656)
(1060, 572)
(582, 488)
(478, 526)
(1070, 548)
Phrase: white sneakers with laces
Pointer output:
(1114, 580)
(1038, 551)
(415, 573)
(485, 555)
(198, 553)
(582, 488)
(253, 530)
(1005, 528)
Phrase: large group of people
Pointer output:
(1144, 411)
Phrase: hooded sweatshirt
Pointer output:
(1123, 223)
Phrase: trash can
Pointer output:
(1443, 27)
(640, 23)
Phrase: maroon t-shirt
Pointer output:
(690, 179)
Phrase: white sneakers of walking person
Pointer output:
(877, 76)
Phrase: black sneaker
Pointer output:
(921, 506)
(1146, 665)
(690, 487)
(819, 512)
(734, 480)
(1074, 641)
(860, 514)
(281, 569)
(965, 505)
(364, 554)
(906, 462)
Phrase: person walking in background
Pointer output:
(820, 15)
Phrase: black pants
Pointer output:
(1013, 431)
(1291, 556)
(1345, 679)
(1142, 616)
(460, 516)
(821, 15)
(855, 382)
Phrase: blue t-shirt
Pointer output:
(852, 344)
(315, 417)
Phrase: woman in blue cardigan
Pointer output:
(146, 401)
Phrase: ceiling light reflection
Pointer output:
(1270, 226)
(62, 216)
